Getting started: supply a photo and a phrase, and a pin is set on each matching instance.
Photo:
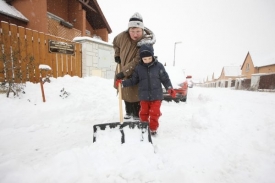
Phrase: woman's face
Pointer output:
(135, 33)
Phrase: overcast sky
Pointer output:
(214, 33)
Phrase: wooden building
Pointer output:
(62, 18)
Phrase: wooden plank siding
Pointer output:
(22, 53)
(6, 59)
(14, 54)
(23, 50)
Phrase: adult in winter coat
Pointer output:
(126, 46)
(149, 74)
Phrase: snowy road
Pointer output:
(220, 135)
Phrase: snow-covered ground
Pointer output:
(220, 135)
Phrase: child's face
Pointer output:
(147, 60)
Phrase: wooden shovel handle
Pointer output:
(120, 98)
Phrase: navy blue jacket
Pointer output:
(149, 78)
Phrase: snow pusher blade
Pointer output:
(142, 126)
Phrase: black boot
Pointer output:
(154, 133)
(136, 108)
(128, 109)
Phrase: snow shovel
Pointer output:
(143, 126)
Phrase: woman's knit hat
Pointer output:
(136, 21)
(146, 50)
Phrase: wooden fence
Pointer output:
(23, 50)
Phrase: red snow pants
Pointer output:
(150, 111)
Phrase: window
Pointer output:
(247, 67)
(88, 33)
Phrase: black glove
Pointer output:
(120, 75)
(117, 59)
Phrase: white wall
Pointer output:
(97, 58)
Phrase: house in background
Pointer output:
(62, 18)
(257, 72)
(259, 69)
(256, 63)
(228, 76)
(213, 79)
(225, 78)
(209, 82)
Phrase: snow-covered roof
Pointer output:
(262, 59)
(232, 70)
(10, 11)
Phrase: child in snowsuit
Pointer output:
(149, 74)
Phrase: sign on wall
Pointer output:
(61, 47)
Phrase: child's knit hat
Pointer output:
(146, 50)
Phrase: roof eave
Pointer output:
(15, 17)
(103, 17)
(264, 65)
